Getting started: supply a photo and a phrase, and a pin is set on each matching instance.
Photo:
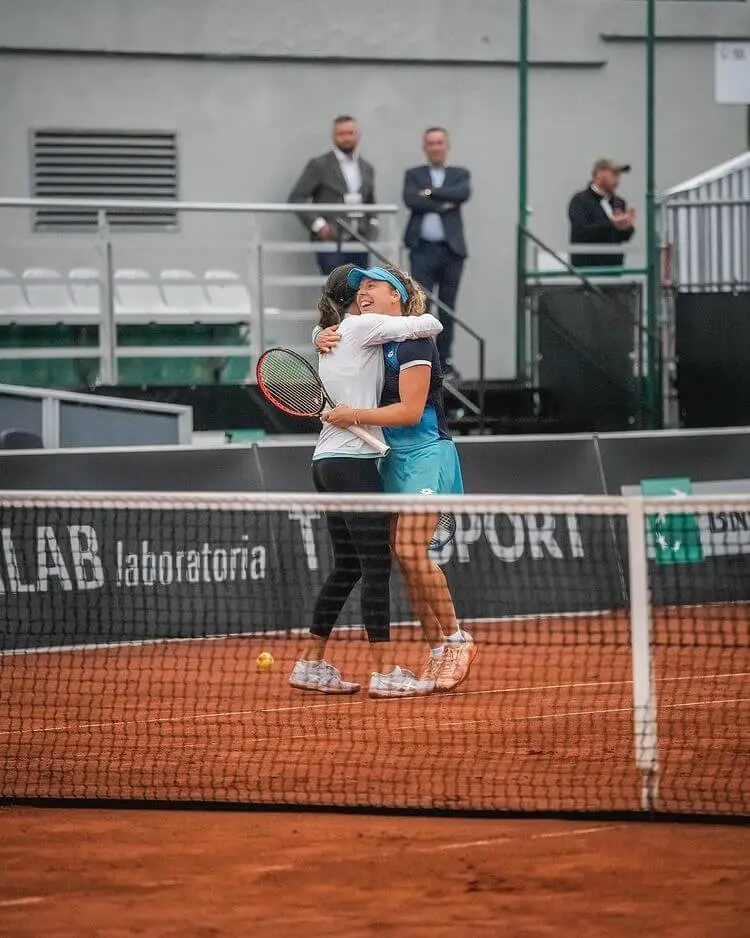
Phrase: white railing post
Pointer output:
(645, 729)
(107, 325)
(261, 299)
(51, 422)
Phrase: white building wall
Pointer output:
(251, 87)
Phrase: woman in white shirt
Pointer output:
(423, 460)
(342, 462)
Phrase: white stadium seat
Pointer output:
(226, 292)
(12, 299)
(135, 292)
(86, 289)
(46, 290)
(183, 292)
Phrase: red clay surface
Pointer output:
(544, 722)
(109, 874)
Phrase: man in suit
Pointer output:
(598, 216)
(434, 235)
(340, 175)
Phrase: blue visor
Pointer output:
(359, 274)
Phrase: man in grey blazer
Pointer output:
(340, 175)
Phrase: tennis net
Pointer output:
(612, 668)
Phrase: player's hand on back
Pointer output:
(327, 340)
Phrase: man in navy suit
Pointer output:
(435, 231)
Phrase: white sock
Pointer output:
(387, 672)
(437, 652)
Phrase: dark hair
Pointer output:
(436, 130)
(337, 297)
(344, 119)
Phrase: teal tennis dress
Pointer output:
(423, 459)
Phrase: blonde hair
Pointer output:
(416, 301)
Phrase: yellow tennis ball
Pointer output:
(265, 661)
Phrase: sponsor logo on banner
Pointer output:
(675, 538)
(74, 557)
(509, 537)
(200, 563)
(690, 537)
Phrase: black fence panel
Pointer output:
(588, 351)
(713, 359)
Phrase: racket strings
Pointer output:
(292, 384)
(445, 531)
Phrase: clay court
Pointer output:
(544, 724)
(82, 873)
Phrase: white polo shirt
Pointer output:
(353, 372)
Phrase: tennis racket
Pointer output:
(445, 531)
(290, 383)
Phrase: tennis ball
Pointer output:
(265, 661)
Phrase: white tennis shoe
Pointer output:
(456, 662)
(321, 677)
(399, 683)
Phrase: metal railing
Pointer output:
(107, 318)
(562, 270)
(164, 205)
(108, 350)
(592, 279)
(51, 403)
(708, 241)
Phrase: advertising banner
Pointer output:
(128, 574)
(79, 576)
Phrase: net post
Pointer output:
(645, 728)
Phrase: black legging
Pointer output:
(361, 549)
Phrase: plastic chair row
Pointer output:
(135, 291)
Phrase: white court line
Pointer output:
(441, 848)
(579, 832)
(576, 832)
(160, 640)
(469, 843)
(348, 702)
(328, 733)
(29, 900)
(526, 718)
(510, 690)
(700, 703)
(286, 633)
(186, 717)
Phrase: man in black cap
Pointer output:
(598, 216)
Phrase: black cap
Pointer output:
(606, 162)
